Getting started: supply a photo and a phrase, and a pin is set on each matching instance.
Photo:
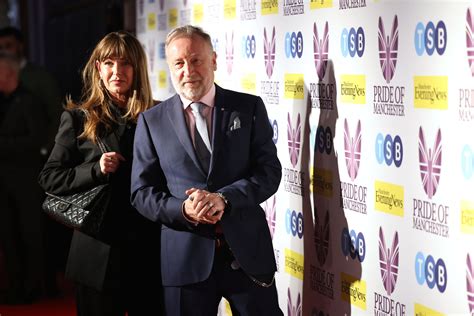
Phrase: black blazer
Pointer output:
(73, 165)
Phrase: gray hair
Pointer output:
(188, 31)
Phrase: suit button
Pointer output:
(209, 183)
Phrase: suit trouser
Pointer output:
(245, 297)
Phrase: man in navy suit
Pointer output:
(203, 162)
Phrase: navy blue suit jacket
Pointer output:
(244, 167)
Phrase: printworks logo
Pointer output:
(229, 51)
(430, 163)
(162, 5)
(321, 48)
(388, 259)
(352, 149)
(296, 308)
(388, 49)
(470, 40)
(294, 140)
(269, 46)
(321, 237)
(270, 213)
(470, 284)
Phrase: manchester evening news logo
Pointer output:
(388, 49)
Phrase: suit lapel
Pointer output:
(178, 123)
(219, 124)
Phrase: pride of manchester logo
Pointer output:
(388, 49)
(229, 51)
(294, 140)
(270, 213)
(321, 237)
(321, 48)
(269, 51)
(470, 284)
(295, 308)
(470, 40)
(352, 149)
(430, 163)
(388, 260)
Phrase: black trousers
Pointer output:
(246, 298)
(21, 237)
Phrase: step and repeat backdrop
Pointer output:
(372, 107)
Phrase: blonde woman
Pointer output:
(115, 270)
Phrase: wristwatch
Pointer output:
(219, 194)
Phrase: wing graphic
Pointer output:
(294, 140)
(269, 52)
(388, 260)
(229, 51)
(352, 149)
(470, 284)
(321, 48)
(388, 49)
(430, 163)
(321, 237)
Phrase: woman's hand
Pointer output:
(110, 161)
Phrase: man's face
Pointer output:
(11, 45)
(192, 64)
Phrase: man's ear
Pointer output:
(214, 60)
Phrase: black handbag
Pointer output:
(84, 210)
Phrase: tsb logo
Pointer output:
(388, 149)
(434, 273)
(352, 42)
(248, 46)
(324, 139)
(353, 244)
(274, 125)
(294, 45)
(430, 38)
(294, 223)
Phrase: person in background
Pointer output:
(116, 90)
(40, 82)
(22, 128)
(48, 99)
(204, 160)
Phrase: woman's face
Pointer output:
(117, 76)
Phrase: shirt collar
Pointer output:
(208, 99)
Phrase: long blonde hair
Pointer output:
(96, 100)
